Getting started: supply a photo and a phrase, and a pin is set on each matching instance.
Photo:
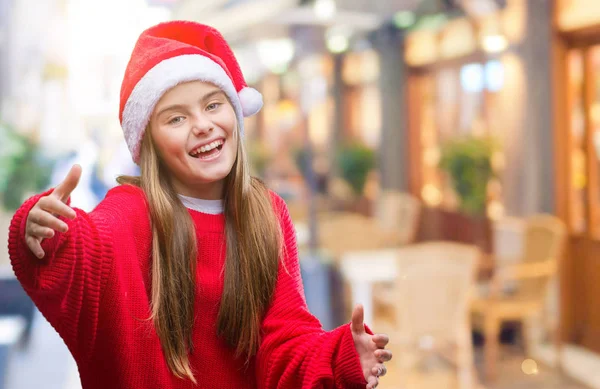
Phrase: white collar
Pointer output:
(212, 207)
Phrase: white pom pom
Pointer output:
(251, 101)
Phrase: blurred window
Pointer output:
(577, 153)
(594, 140)
(583, 67)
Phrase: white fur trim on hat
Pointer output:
(251, 101)
(164, 76)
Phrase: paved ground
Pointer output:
(47, 364)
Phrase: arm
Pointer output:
(66, 277)
(295, 351)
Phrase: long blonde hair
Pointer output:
(253, 237)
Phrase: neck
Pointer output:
(209, 191)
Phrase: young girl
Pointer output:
(187, 276)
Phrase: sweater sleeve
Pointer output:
(295, 351)
(67, 284)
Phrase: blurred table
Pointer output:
(362, 269)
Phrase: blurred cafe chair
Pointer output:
(519, 287)
(430, 304)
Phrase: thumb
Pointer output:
(64, 189)
(358, 314)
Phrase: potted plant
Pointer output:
(355, 162)
(467, 161)
(23, 170)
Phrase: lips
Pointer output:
(207, 148)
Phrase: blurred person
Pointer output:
(187, 275)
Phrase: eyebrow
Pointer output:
(175, 107)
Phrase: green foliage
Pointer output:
(355, 162)
(468, 163)
(23, 168)
(10, 148)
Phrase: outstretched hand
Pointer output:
(43, 221)
(370, 348)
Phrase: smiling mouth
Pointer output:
(208, 151)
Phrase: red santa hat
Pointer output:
(172, 53)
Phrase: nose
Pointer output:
(201, 125)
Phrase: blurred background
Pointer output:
(440, 159)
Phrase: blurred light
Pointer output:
(337, 44)
(276, 54)
(404, 19)
(495, 210)
(494, 75)
(494, 43)
(431, 195)
(471, 78)
(324, 9)
(529, 367)
(338, 39)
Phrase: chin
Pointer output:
(217, 175)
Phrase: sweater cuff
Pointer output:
(26, 265)
(348, 369)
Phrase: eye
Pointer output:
(213, 106)
(176, 120)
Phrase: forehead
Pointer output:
(192, 89)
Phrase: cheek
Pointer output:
(227, 121)
(167, 145)
(233, 145)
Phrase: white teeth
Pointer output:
(207, 147)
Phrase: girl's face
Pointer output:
(194, 129)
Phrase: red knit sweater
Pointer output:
(93, 286)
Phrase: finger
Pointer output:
(41, 232)
(383, 355)
(379, 370)
(381, 340)
(57, 207)
(64, 189)
(45, 219)
(372, 382)
(34, 246)
(357, 319)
